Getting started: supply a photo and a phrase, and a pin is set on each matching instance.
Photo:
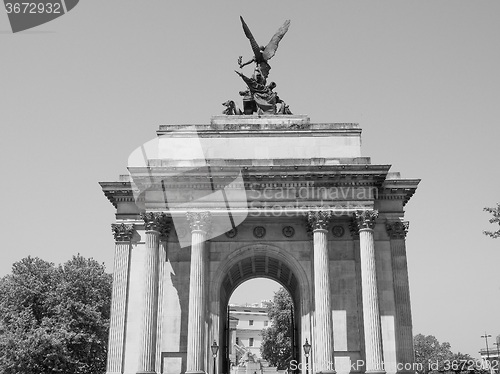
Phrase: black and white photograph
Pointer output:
(235, 187)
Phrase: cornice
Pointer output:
(258, 177)
(398, 189)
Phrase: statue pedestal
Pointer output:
(256, 138)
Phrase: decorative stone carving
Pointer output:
(157, 221)
(338, 231)
(199, 221)
(288, 231)
(318, 220)
(122, 232)
(231, 108)
(262, 55)
(365, 219)
(232, 233)
(397, 229)
(259, 232)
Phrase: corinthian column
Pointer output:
(374, 362)
(156, 225)
(200, 225)
(323, 333)
(404, 335)
(123, 234)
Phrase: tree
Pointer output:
(434, 357)
(496, 219)
(276, 344)
(54, 318)
(429, 351)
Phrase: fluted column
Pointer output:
(374, 361)
(404, 335)
(156, 225)
(200, 225)
(161, 297)
(123, 234)
(324, 351)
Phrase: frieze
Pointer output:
(258, 126)
(236, 126)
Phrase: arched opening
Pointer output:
(257, 262)
(248, 317)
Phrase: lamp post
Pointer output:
(215, 349)
(307, 350)
(498, 356)
(486, 336)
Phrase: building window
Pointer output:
(266, 323)
(250, 322)
(237, 340)
(250, 342)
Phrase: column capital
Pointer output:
(122, 232)
(319, 219)
(397, 229)
(157, 221)
(199, 221)
(365, 219)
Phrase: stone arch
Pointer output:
(260, 261)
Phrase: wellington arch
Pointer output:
(206, 207)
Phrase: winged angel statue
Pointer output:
(263, 54)
(260, 97)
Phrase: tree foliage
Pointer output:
(496, 219)
(434, 357)
(54, 319)
(276, 344)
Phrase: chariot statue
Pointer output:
(259, 96)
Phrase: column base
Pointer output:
(146, 372)
(195, 372)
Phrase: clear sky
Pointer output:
(422, 78)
